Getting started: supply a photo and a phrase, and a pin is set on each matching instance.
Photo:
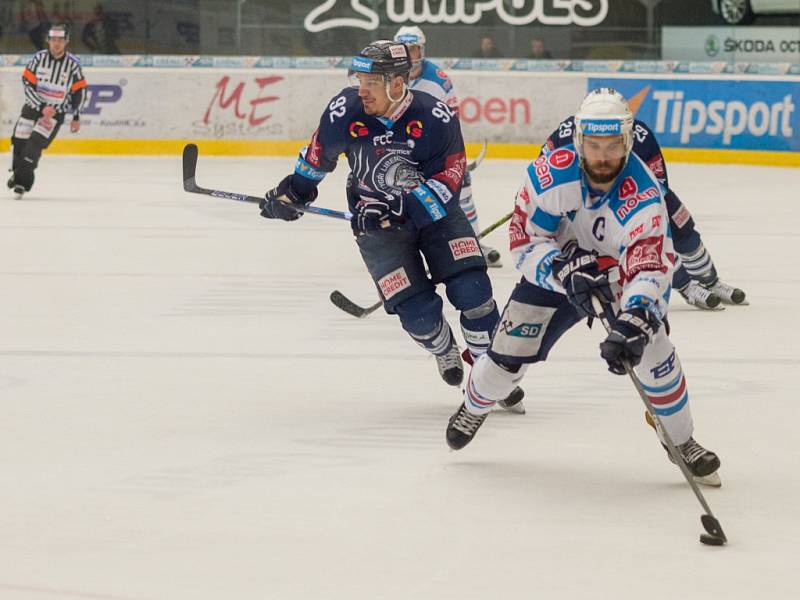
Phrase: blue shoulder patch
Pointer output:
(635, 189)
(554, 168)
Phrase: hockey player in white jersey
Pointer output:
(590, 221)
(427, 77)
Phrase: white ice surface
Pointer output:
(185, 415)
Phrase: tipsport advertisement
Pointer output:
(715, 114)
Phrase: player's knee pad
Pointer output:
(489, 383)
(469, 289)
(421, 314)
(686, 242)
(532, 322)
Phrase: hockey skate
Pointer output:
(451, 368)
(492, 256)
(696, 295)
(513, 403)
(19, 192)
(728, 294)
(702, 464)
(462, 427)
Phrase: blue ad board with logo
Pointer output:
(715, 114)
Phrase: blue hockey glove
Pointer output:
(583, 276)
(630, 333)
(277, 203)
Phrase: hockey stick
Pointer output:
(190, 185)
(714, 535)
(343, 302)
(471, 166)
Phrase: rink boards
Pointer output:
(272, 111)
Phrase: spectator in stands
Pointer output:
(101, 33)
(538, 51)
(488, 49)
(38, 35)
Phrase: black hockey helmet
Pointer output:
(58, 31)
(384, 57)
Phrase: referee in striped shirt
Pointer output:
(54, 86)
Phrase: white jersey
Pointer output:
(435, 82)
(628, 223)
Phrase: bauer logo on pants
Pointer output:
(464, 247)
(394, 283)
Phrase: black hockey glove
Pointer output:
(630, 333)
(583, 276)
(277, 203)
(370, 214)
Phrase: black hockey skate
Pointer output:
(514, 401)
(462, 427)
(19, 192)
(728, 293)
(451, 368)
(702, 464)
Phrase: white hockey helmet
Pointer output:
(411, 36)
(604, 112)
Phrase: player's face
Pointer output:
(415, 53)
(372, 91)
(603, 157)
(57, 46)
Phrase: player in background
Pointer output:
(695, 275)
(584, 213)
(407, 164)
(426, 76)
(54, 86)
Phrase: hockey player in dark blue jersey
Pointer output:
(407, 163)
(696, 277)
(426, 76)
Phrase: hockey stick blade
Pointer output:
(478, 159)
(189, 167)
(351, 308)
(190, 154)
(714, 536)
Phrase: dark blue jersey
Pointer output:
(645, 146)
(416, 155)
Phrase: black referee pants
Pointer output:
(31, 136)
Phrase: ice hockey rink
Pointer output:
(185, 415)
